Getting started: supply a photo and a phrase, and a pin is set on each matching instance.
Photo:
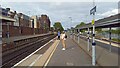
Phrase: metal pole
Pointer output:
(78, 36)
(110, 38)
(70, 33)
(8, 32)
(93, 48)
(93, 43)
(71, 29)
(88, 48)
(74, 34)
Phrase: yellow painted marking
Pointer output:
(93, 22)
(51, 55)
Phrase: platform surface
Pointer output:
(72, 56)
(11, 39)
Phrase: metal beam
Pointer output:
(111, 21)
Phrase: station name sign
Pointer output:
(93, 10)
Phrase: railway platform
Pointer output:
(16, 38)
(72, 56)
(55, 56)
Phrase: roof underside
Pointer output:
(112, 21)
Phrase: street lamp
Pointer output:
(71, 21)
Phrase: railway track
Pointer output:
(15, 56)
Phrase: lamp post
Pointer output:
(71, 28)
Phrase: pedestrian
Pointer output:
(63, 39)
(58, 35)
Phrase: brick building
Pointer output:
(45, 22)
(24, 20)
(6, 13)
(36, 21)
(17, 24)
(41, 22)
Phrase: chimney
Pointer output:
(15, 12)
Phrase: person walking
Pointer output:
(63, 35)
(59, 35)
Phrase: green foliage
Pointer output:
(117, 31)
(116, 40)
(58, 26)
(99, 30)
(51, 28)
(79, 25)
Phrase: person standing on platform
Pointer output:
(63, 39)
(59, 35)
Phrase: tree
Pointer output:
(79, 25)
(99, 30)
(58, 26)
(51, 29)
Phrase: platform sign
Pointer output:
(93, 10)
(93, 22)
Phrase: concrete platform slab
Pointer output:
(72, 56)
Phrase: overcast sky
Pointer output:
(61, 11)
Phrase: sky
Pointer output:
(61, 11)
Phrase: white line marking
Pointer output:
(113, 44)
(50, 55)
(32, 53)
(34, 61)
(69, 64)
